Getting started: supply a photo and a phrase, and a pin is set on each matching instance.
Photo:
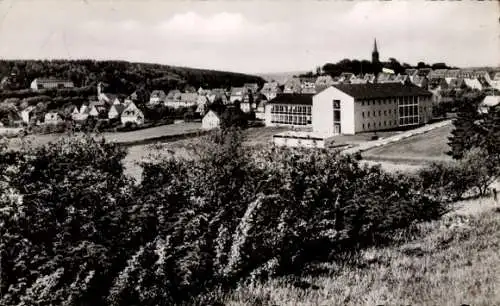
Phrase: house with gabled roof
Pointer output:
(116, 110)
(80, 114)
(211, 120)
(52, 118)
(217, 94)
(487, 103)
(26, 114)
(271, 90)
(292, 85)
(346, 77)
(157, 97)
(98, 109)
(238, 94)
(473, 83)
(252, 87)
(323, 81)
(132, 114)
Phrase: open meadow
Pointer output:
(119, 137)
(427, 147)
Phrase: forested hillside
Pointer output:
(121, 76)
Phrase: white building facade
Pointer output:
(356, 108)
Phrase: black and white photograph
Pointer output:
(249, 153)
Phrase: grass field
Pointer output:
(254, 136)
(120, 137)
(453, 261)
(430, 146)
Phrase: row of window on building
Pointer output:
(402, 101)
(291, 109)
(291, 119)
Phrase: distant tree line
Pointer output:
(121, 76)
(364, 66)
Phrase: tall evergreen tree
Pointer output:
(466, 132)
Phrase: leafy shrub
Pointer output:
(451, 181)
(76, 231)
(236, 214)
(63, 222)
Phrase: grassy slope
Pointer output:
(428, 146)
(452, 261)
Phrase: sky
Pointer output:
(251, 36)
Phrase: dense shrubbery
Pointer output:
(76, 231)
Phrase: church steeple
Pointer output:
(375, 58)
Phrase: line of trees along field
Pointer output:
(76, 231)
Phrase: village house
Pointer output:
(238, 94)
(132, 114)
(105, 97)
(357, 80)
(495, 81)
(39, 84)
(307, 85)
(411, 72)
(80, 114)
(157, 97)
(248, 105)
(384, 77)
(292, 86)
(98, 109)
(346, 77)
(487, 103)
(260, 111)
(355, 108)
(116, 110)
(188, 99)
(473, 83)
(178, 100)
(211, 120)
(323, 82)
(203, 92)
(26, 114)
(251, 87)
(52, 118)
(217, 94)
(270, 90)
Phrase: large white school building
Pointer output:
(353, 108)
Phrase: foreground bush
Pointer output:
(63, 216)
(228, 214)
(469, 176)
(76, 231)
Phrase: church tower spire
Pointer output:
(375, 58)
